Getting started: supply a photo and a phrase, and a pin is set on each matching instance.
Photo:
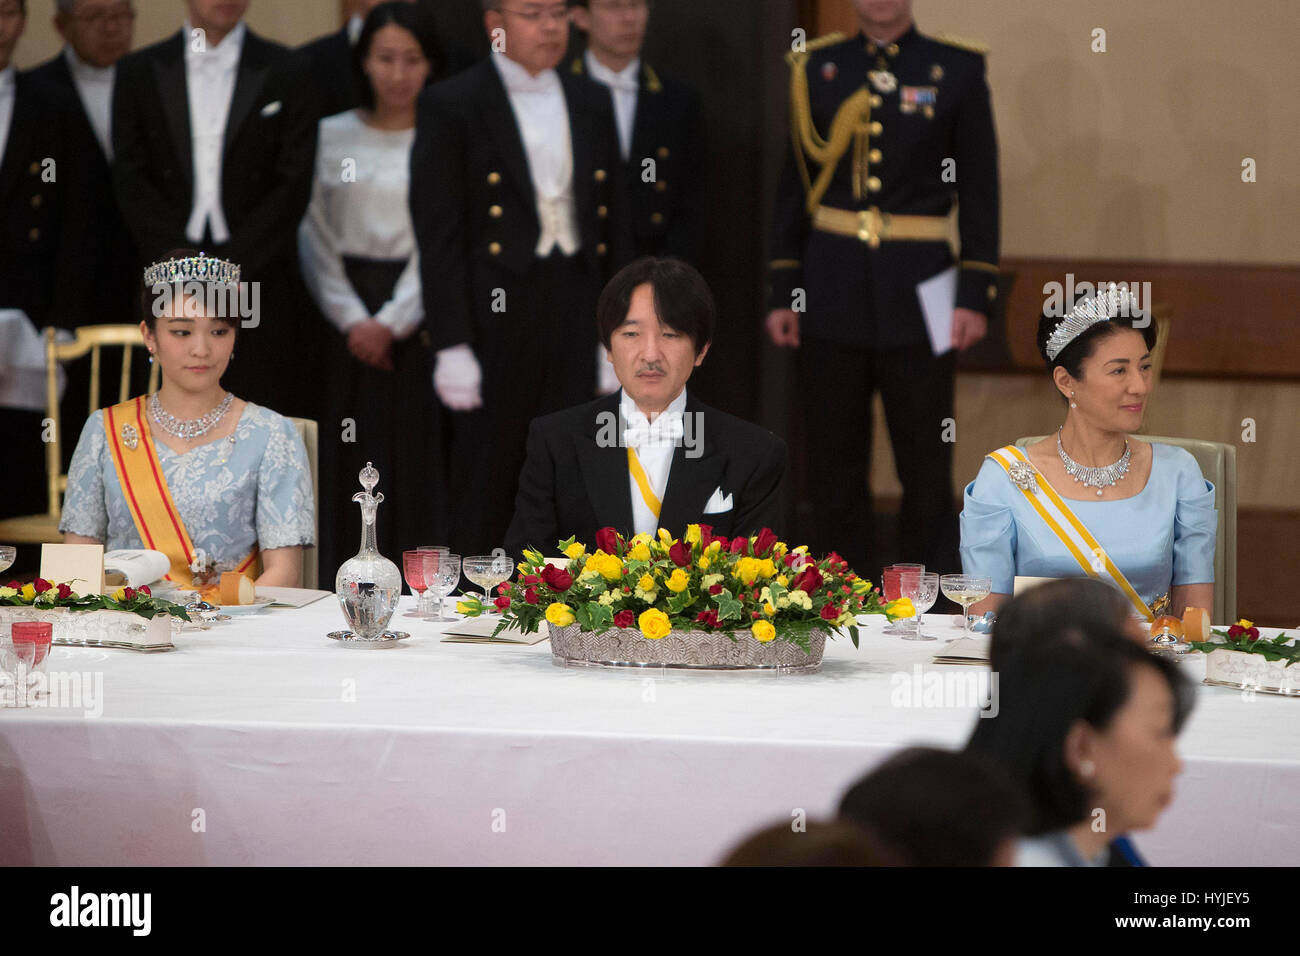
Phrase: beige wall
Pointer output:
(1136, 152)
(286, 21)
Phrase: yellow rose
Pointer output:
(747, 570)
(1245, 623)
(665, 538)
(678, 581)
(119, 594)
(523, 568)
(714, 548)
(901, 608)
(29, 592)
(763, 631)
(654, 624)
(779, 549)
(704, 563)
(561, 615)
(769, 609)
(575, 550)
(647, 583)
(608, 566)
(471, 608)
(782, 580)
(640, 538)
(640, 552)
(692, 534)
(766, 568)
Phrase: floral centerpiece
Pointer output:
(129, 617)
(46, 595)
(1241, 658)
(700, 593)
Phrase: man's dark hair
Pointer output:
(935, 807)
(1073, 666)
(411, 17)
(683, 301)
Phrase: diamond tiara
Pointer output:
(198, 268)
(1107, 304)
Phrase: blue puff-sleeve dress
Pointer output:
(1160, 537)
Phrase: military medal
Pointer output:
(883, 81)
(130, 438)
(829, 70)
(936, 73)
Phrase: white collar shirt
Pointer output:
(210, 75)
(655, 443)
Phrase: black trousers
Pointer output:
(839, 382)
(537, 357)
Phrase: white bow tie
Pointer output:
(216, 59)
(543, 82)
(626, 84)
(665, 431)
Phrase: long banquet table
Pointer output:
(260, 741)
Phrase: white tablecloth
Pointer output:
(262, 742)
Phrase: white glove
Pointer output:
(606, 378)
(457, 378)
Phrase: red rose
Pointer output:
(830, 612)
(557, 579)
(809, 579)
(789, 559)
(706, 535)
(835, 563)
(503, 587)
(532, 579)
(739, 544)
(530, 595)
(846, 589)
(715, 589)
(502, 603)
(41, 585)
(1252, 634)
(129, 595)
(15, 585)
(144, 589)
(764, 542)
(607, 540)
(709, 617)
(1236, 630)
(64, 591)
(681, 554)
(723, 542)
(625, 618)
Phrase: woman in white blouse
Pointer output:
(359, 260)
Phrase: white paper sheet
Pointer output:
(938, 298)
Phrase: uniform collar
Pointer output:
(624, 79)
(676, 408)
(516, 79)
(890, 50)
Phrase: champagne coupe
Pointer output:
(7, 555)
(890, 592)
(441, 574)
(489, 570)
(922, 589)
(413, 569)
(965, 589)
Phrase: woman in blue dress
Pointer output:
(1089, 499)
(193, 471)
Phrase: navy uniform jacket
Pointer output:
(667, 212)
(937, 110)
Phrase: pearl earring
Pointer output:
(1073, 404)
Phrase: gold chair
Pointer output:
(1218, 463)
(308, 431)
(43, 528)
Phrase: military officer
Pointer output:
(890, 130)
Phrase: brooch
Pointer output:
(1023, 476)
(130, 437)
(883, 81)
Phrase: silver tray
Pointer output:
(1275, 691)
(386, 639)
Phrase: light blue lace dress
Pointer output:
(1162, 536)
(253, 487)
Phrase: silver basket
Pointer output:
(704, 650)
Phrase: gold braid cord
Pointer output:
(852, 123)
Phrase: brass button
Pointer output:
(600, 248)
(874, 156)
(34, 168)
(873, 183)
(993, 292)
(495, 212)
(892, 49)
(877, 128)
(602, 211)
(34, 235)
(494, 178)
(657, 218)
(494, 248)
(876, 100)
(36, 202)
(661, 186)
(600, 175)
(871, 48)
(663, 152)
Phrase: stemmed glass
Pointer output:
(922, 589)
(890, 590)
(965, 589)
(441, 575)
(425, 605)
(7, 555)
(413, 569)
(23, 656)
(489, 570)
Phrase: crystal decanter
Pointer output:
(368, 584)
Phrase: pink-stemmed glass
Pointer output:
(890, 589)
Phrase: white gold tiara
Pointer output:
(1107, 304)
(200, 268)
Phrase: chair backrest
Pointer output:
(89, 338)
(308, 431)
(1218, 463)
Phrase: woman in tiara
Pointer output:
(1088, 500)
(193, 471)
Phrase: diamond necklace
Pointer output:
(1104, 477)
(192, 427)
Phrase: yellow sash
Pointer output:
(156, 516)
(643, 483)
(1063, 522)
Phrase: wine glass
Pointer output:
(889, 590)
(29, 648)
(965, 589)
(413, 569)
(488, 570)
(922, 589)
(7, 555)
(425, 604)
(441, 574)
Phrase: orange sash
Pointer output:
(156, 516)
